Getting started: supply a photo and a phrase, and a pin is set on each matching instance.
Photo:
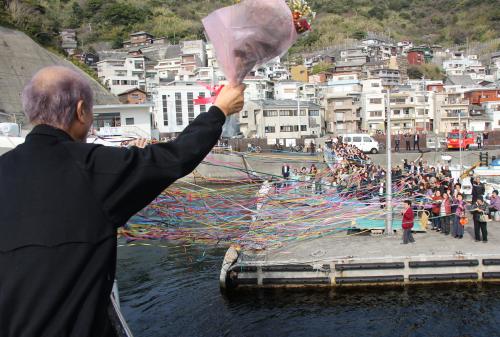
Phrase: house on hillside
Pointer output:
(133, 96)
(139, 39)
(68, 41)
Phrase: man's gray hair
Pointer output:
(52, 95)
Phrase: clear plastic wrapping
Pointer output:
(249, 34)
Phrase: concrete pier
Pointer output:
(368, 261)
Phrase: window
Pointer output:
(129, 121)
(356, 139)
(396, 112)
(203, 107)
(348, 139)
(270, 113)
(398, 100)
(375, 100)
(107, 120)
(178, 108)
(190, 107)
(288, 112)
(244, 114)
(304, 127)
(420, 112)
(165, 110)
(375, 85)
(367, 139)
(289, 128)
(314, 113)
(116, 82)
(375, 113)
(269, 129)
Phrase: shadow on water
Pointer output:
(175, 292)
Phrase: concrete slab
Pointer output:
(370, 260)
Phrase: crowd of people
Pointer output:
(428, 190)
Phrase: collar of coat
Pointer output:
(47, 130)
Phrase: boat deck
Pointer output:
(368, 260)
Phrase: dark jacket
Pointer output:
(61, 204)
(477, 190)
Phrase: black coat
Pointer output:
(61, 204)
(477, 190)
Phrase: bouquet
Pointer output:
(253, 32)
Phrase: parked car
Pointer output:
(431, 142)
(362, 141)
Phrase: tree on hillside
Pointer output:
(429, 71)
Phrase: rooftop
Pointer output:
(286, 103)
(463, 80)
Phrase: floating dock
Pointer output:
(367, 260)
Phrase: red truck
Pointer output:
(460, 139)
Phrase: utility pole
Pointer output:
(460, 139)
(298, 112)
(388, 183)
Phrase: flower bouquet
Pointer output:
(253, 32)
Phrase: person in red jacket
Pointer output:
(407, 222)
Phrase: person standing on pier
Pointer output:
(407, 223)
(407, 141)
(480, 216)
(478, 188)
(445, 214)
(416, 141)
(457, 230)
(436, 208)
(398, 142)
(66, 199)
(494, 204)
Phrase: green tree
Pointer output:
(77, 15)
(415, 73)
(359, 35)
(377, 12)
(124, 14)
(320, 67)
(117, 42)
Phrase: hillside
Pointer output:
(444, 22)
(16, 71)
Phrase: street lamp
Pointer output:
(388, 222)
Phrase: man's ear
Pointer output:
(81, 116)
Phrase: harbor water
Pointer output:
(174, 291)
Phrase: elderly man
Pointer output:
(63, 201)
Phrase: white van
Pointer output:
(362, 141)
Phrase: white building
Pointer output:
(279, 120)
(373, 105)
(196, 47)
(175, 108)
(258, 88)
(461, 64)
(120, 75)
(124, 119)
(272, 70)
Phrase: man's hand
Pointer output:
(231, 99)
(140, 143)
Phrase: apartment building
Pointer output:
(280, 120)
(175, 108)
(341, 102)
(373, 105)
(120, 75)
